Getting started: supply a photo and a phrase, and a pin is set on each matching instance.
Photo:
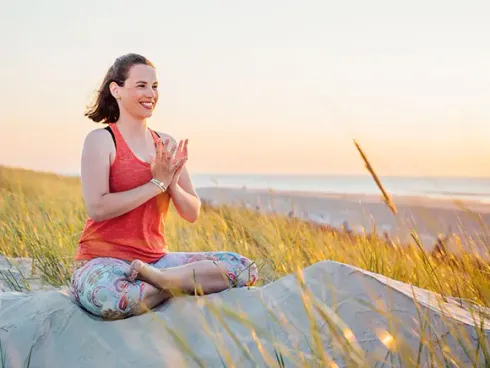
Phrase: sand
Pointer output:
(18, 274)
(58, 333)
(430, 217)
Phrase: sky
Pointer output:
(277, 87)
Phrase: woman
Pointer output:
(129, 175)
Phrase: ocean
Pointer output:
(477, 189)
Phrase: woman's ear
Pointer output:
(114, 88)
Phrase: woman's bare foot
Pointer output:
(140, 270)
(153, 295)
(132, 273)
(135, 269)
(211, 276)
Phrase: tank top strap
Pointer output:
(155, 135)
(119, 141)
(121, 146)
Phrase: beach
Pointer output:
(354, 285)
(430, 217)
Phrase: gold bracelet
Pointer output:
(159, 184)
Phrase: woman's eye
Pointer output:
(155, 87)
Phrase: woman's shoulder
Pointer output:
(100, 137)
(166, 136)
(99, 134)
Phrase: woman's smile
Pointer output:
(147, 105)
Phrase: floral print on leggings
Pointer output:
(101, 285)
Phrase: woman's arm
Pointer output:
(100, 203)
(185, 198)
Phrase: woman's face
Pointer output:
(139, 95)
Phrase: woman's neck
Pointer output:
(133, 127)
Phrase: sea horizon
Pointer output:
(444, 187)
(273, 174)
(449, 187)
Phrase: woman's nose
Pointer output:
(152, 93)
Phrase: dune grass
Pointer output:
(42, 216)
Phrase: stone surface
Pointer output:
(193, 331)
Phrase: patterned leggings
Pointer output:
(101, 285)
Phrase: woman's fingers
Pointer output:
(185, 148)
(172, 151)
(182, 162)
(176, 150)
(179, 150)
(160, 149)
(164, 150)
(179, 164)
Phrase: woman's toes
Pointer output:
(135, 269)
(137, 265)
(132, 275)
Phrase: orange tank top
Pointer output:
(137, 234)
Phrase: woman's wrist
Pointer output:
(172, 187)
(160, 184)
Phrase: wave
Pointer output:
(454, 193)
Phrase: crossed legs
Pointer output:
(113, 289)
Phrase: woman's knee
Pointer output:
(241, 270)
(102, 289)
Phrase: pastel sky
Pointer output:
(259, 86)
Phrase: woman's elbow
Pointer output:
(192, 219)
(95, 213)
(94, 216)
(194, 216)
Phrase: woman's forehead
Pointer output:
(142, 72)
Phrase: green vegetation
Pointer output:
(42, 216)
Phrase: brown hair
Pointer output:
(105, 109)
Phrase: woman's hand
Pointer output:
(165, 164)
(181, 155)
